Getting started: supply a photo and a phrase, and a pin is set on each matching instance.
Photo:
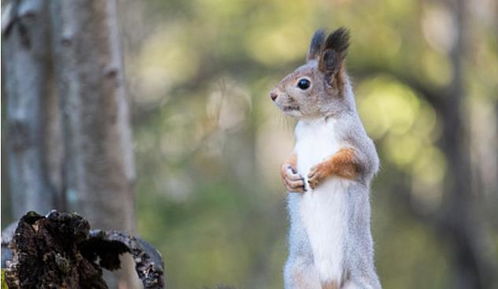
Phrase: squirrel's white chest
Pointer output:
(322, 211)
(315, 141)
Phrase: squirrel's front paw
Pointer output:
(293, 181)
(317, 174)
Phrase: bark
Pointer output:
(99, 168)
(69, 138)
(60, 251)
(26, 65)
(53, 142)
(98, 149)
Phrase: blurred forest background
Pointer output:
(208, 142)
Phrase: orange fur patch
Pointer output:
(292, 160)
(330, 285)
(345, 164)
(340, 79)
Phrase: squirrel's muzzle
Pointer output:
(273, 95)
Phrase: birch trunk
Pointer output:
(100, 169)
(98, 147)
(26, 70)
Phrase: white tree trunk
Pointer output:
(26, 70)
(88, 62)
(68, 132)
(99, 158)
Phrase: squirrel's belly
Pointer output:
(323, 212)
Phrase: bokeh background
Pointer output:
(208, 141)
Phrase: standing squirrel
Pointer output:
(329, 173)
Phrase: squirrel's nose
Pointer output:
(273, 95)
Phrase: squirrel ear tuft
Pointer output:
(338, 41)
(316, 45)
(334, 51)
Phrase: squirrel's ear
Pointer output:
(316, 45)
(334, 51)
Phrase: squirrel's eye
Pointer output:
(303, 83)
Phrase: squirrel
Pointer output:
(329, 173)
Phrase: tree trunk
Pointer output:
(26, 70)
(98, 138)
(460, 218)
(68, 134)
(98, 147)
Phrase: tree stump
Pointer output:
(60, 251)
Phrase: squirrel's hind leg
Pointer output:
(300, 273)
(363, 283)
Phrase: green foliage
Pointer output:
(4, 283)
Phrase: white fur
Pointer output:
(323, 211)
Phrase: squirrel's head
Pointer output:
(318, 88)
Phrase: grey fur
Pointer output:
(332, 100)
